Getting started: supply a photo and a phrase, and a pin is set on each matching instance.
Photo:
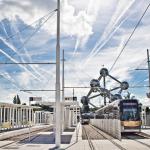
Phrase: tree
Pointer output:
(16, 100)
(128, 96)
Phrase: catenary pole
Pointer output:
(58, 107)
(148, 61)
(63, 98)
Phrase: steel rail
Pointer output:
(145, 144)
(108, 138)
(89, 139)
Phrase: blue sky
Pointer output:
(92, 35)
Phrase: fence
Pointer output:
(110, 126)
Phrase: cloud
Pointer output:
(84, 24)
(24, 79)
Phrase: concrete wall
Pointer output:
(43, 117)
(148, 120)
(110, 126)
(13, 116)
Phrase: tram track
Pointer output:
(102, 134)
(109, 138)
(132, 136)
(88, 138)
(24, 136)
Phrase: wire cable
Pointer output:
(141, 63)
(25, 28)
(28, 26)
(29, 38)
(48, 17)
(130, 37)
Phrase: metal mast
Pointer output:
(63, 99)
(148, 68)
(63, 59)
(58, 108)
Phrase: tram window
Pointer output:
(130, 114)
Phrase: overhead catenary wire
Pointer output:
(11, 36)
(29, 38)
(28, 26)
(20, 63)
(130, 37)
(141, 63)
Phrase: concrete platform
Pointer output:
(72, 140)
(146, 130)
(8, 134)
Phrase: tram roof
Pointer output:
(113, 104)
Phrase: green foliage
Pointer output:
(17, 100)
(43, 107)
(24, 104)
(93, 109)
(128, 96)
(147, 109)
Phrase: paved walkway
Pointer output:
(9, 134)
(70, 141)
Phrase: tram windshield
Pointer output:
(130, 112)
(85, 117)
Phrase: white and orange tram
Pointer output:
(127, 110)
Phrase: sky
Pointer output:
(93, 32)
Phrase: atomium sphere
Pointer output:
(104, 72)
(124, 85)
(94, 89)
(148, 95)
(85, 108)
(84, 100)
(94, 83)
(116, 97)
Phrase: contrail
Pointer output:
(19, 64)
(4, 29)
(28, 56)
(8, 44)
(13, 49)
(109, 28)
(103, 43)
(114, 20)
(76, 47)
(7, 77)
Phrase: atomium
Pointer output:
(116, 97)
(84, 100)
(148, 95)
(124, 85)
(85, 108)
(94, 83)
(104, 72)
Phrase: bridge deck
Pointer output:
(46, 141)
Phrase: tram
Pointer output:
(127, 110)
(85, 118)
